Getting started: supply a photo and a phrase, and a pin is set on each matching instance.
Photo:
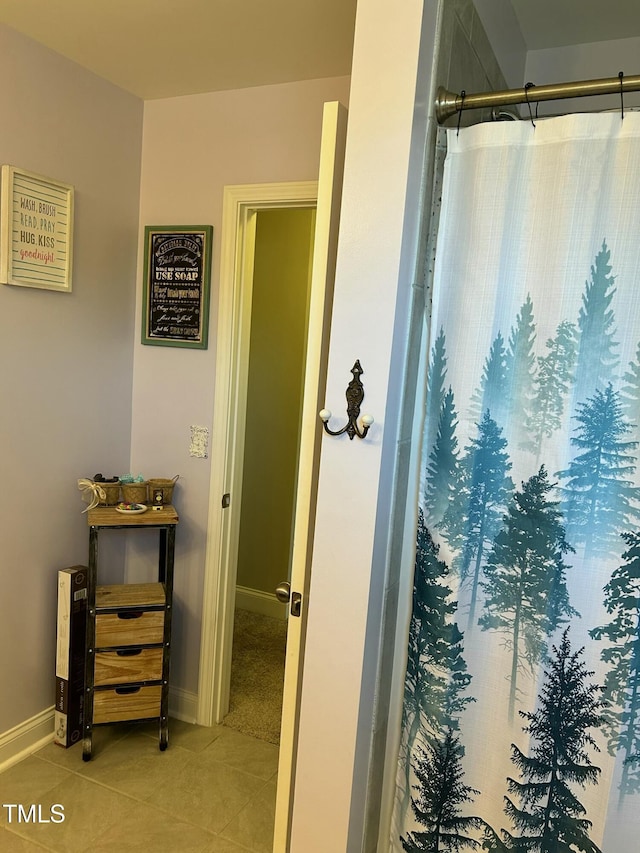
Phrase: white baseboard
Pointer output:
(33, 734)
(183, 705)
(256, 601)
(22, 740)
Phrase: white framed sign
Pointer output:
(36, 231)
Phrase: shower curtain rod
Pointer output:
(449, 103)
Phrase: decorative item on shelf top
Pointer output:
(134, 489)
(161, 490)
(92, 493)
(131, 509)
(99, 491)
(110, 487)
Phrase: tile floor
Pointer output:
(212, 791)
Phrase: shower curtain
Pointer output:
(521, 713)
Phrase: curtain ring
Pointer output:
(462, 97)
(526, 95)
(621, 77)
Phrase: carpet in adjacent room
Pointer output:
(257, 675)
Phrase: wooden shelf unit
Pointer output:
(128, 640)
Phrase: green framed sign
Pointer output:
(177, 273)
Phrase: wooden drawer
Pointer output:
(126, 703)
(134, 595)
(129, 628)
(133, 664)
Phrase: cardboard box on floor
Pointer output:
(71, 633)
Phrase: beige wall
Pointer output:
(66, 358)
(379, 226)
(192, 148)
(279, 310)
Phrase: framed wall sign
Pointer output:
(177, 270)
(36, 230)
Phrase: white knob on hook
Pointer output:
(367, 420)
(324, 414)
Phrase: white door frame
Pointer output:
(241, 204)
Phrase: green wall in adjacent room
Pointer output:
(284, 243)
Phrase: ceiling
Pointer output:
(165, 48)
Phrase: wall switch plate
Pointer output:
(199, 445)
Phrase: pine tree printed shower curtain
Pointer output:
(521, 714)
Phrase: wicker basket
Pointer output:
(134, 493)
(112, 493)
(164, 484)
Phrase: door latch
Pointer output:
(296, 603)
(285, 596)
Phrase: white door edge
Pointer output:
(334, 126)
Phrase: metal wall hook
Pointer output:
(354, 395)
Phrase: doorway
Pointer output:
(242, 204)
(282, 261)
